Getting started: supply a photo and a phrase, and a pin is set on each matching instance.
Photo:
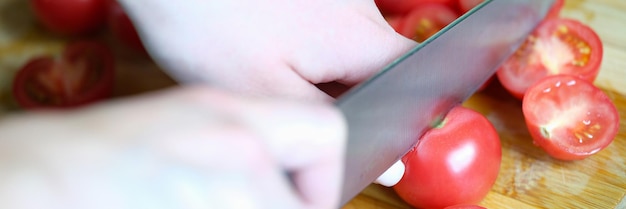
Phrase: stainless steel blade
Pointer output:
(387, 114)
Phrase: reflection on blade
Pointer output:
(388, 113)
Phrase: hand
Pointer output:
(186, 148)
(268, 47)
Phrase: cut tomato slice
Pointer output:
(83, 74)
(557, 46)
(569, 117)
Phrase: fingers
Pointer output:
(308, 140)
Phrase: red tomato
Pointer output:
(84, 74)
(426, 20)
(400, 7)
(396, 22)
(456, 163)
(467, 5)
(70, 17)
(122, 27)
(557, 46)
(569, 117)
(556, 8)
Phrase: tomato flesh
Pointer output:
(557, 46)
(569, 117)
(454, 164)
(83, 74)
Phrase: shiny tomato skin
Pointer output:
(122, 27)
(70, 17)
(426, 20)
(557, 46)
(454, 164)
(569, 117)
(84, 74)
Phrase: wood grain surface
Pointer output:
(528, 178)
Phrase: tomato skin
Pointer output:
(455, 164)
(569, 117)
(122, 27)
(70, 17)
(467, 5)
(426, 20)
(557, 46)
(555, 10)
(85, 74)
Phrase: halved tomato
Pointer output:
(555, 10)
(426, 20)
(569, 117)
(70, 17)
(84, 74)
(557, 46)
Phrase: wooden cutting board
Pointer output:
(528, 177)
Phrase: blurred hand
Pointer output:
(269, 47)
(184, 148)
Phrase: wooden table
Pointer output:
(528, 177)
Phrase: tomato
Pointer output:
(396, 22)
(122, 27)
(400, 7)
(70, 17)
(556, 8)
(426, 20)
(84, 74)
(557, 46)
(569, 117)
(456, 163)
(467, 5)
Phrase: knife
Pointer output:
(388, 113)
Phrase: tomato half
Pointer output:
(557, 46)
(555, 10)
(70, 17)
(122, 27)
(84, 74)
(456, 163)
(569, 117)
(426, 20)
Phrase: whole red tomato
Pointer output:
(456, 163)
(569, 117)
(70, 17)
(84, 74)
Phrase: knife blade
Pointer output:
(388, 113)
